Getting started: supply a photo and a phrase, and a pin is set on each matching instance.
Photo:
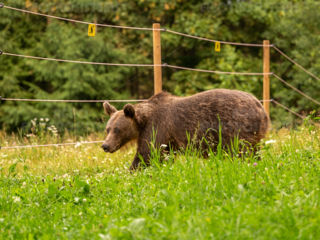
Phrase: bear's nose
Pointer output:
(105, 147)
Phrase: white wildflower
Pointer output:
(163, 146)
(78, 144)
(271, 141)
(105, 236)
(76, 199)
(84, 200)
(16, 199)
(65, 175)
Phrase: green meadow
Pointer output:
(79, 192)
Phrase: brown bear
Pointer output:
(172, 121)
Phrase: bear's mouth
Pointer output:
(112, 150)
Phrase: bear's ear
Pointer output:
(129, 110)
(109, 109)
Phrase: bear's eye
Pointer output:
(116, 130)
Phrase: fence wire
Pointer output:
(296, 90)
(216, 72)
(77, 144)
(69, 101)
(215, 41)
(295, 63)
(81, 62)
(133, 65)
(78, 21)
(286, 108)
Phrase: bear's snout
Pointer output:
(105, 147)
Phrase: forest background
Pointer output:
(293, 26)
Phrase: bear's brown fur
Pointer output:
(170, 119)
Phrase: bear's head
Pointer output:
(121, 128)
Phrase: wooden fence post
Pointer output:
(157, 58)
(266, 78)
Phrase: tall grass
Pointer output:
(83, 193)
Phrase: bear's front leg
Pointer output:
(144, 141)
(143, 152)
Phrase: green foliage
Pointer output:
(291, 25)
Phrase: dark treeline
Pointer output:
(292, 25)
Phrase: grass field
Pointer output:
(82, 193)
